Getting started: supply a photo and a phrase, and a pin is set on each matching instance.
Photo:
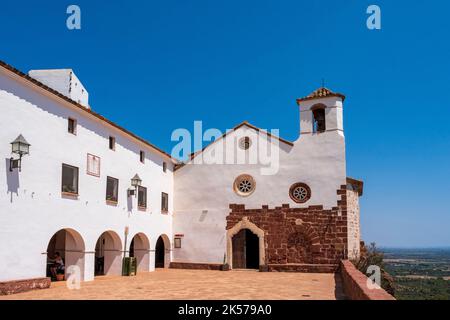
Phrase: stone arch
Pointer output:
(140, 249)
(302, 244)
(70, 245)
(245, 224)
(108, 254)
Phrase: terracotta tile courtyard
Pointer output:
(199, 285)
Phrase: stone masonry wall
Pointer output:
(310, 235)
(353, 225)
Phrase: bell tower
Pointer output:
(321, 111)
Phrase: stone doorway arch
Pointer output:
(241, 225)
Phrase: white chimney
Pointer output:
(65, 82)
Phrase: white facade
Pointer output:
(33, 207)
(203, 193)
(65, 82)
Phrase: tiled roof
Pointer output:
(321, 93)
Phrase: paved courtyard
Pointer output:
(199, 285)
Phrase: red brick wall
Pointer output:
(355, 284)
(310, 235)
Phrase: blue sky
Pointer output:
(153, 66)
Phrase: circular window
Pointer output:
(300, 192)
(245, 143)
(244, 185)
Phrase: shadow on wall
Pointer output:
(12, 179)
(129, 203)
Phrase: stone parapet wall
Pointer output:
(17, 286)
(355, 284)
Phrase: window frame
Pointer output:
(112, 140)
(74, 127)
(163, 209)
(112, 200)
(76, 192)
(144, 207)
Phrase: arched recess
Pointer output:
(245, 224)
(70, 246)
(302, 242)
(140, 249)
(108, 254)
(162, 252)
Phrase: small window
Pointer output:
(319, 120)
(142, 156)
(245, 143)
(69, 179)
(142, 197)
(164, 202)
(164, 166)
(112, 189)
(177, 243)
(244, 185)
(72, 126)
(112, 143)
(300, 192)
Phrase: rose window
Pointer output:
(244, 185)
(300, 192)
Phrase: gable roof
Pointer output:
(82, 108)
(242, 124)
(321, 93)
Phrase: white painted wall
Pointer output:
(203, 192)
(65, 82)
(32, 208)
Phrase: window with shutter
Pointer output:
(93, 165)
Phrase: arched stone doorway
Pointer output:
(140, 249)
(69, 244)
(162, 252)
(108, 254)
(250, 232)
(245, 250)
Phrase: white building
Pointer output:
(72, 193)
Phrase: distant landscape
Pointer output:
(419, 274)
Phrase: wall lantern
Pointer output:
(21, 147)
(135, 182)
